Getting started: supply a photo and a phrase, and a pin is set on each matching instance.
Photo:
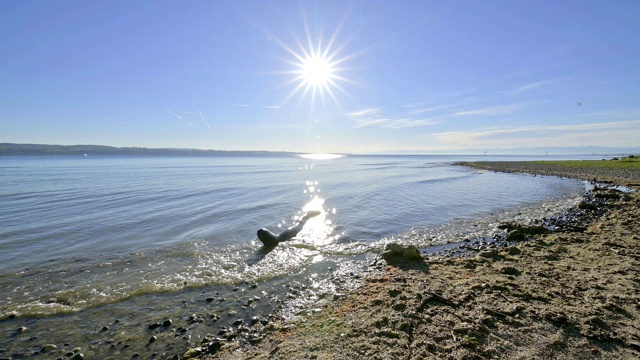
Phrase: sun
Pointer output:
(317, 71)
(318, 66)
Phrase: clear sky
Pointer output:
(370, 76)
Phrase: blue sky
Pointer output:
(403, 76)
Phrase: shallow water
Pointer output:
(92, 240)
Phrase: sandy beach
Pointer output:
(570, 294)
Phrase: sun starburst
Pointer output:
(316, 71)
(317, 67)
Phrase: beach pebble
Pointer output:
(167, 323)
(48, 347)
(209, 299)
(154, 325)
(21, 329)
(152, 339)
(78, 356)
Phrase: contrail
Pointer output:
(178, 116)
(202, 117)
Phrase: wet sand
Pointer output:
(573, 294)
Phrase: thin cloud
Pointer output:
(365, 112)
(406, 123)
(431, 109)
(490, 111)
(372, 116)
(271, 107)
(527, 87)
(370, 122)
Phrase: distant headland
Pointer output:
(10, 149)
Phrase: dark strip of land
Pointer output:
(8, 149)
(622, 171)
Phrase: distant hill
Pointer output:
(8, 149)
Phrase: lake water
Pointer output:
(89, 241)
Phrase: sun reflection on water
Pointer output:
(318, 231)
(321, 156)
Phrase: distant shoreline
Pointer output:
(623, 171)
(10, 149)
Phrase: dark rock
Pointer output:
(167, 323)
(585, 205)
(514, 251)
(238, 322)
(154, 325)
(516, 235)
(510, 270)
(214, 347)
(209, 299)
(78, 356)
(152, 339)
(607, 195)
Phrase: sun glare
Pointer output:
(317, 66)
(316, 71)
(321, 156)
